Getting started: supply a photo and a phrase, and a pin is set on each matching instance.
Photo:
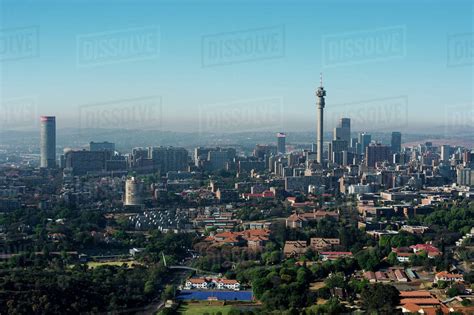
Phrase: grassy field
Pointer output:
(315, 286)
(203, 307)
(93, 264)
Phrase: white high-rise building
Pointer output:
(48, 141)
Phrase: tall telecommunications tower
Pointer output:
(320, 94)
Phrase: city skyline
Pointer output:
(247, 157)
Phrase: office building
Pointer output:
(217, 160)
(445, 152)
(262, 150)
(84, 162)
(165, 159)
(281, 143)
(364, 141)
(101, 146)
(343, 130)
(396, 142)
(353, 145)
(213, 159)
(200, 154)
(376, 152)
(465, 176)
(467, 158)
(336, 149)
(48, 141)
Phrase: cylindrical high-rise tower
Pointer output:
(133, 192)
(48, 141)
(320, 94)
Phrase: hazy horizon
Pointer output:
(238, 66)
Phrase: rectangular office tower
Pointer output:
(48, 141)
(364, 140)
(376, 152)
(396, 142)
(281, 143)
(343, 130)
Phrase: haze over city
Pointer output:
(396, 63)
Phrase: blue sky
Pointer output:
(413, 83)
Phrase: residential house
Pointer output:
(429, 249)
(421, 302)
(324, 244)
(381, 276)
(448, 277)
(208, 283)
(414, 229)
(370, 275)
(229, 284)
(403, 253)
(196, 283)
(298, 220)
(334, 255)
(294, 248)
(295, 221)
(401, 275)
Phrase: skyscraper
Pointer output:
(320, 94)
(48, 141)
(168, 158)
(336, 149)
(281, 143)
(396, 143)
(364, 140)
(343, 130)
(445, 152)
(376, 152)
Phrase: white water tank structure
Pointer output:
(133, 192)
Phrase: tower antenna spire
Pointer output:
(321, 78)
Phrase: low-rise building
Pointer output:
(334, 255)
(212, 283)
(429, 249)
(294, 248)
(321, 243)
(448, 277)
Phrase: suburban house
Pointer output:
(227, 284)
(448, 277)
(298, 220)
(403, 253)
(320, 243)
(414, 229)
(421, 302)
(212, 283)
(370, 275)
(401, 275)
(267, 194)
(197, 283)
(254, 239)
(427, 248)
(294, 248)
(295, 221)
(334, 255)
(320, 214)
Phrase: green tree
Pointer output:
(380, 298)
